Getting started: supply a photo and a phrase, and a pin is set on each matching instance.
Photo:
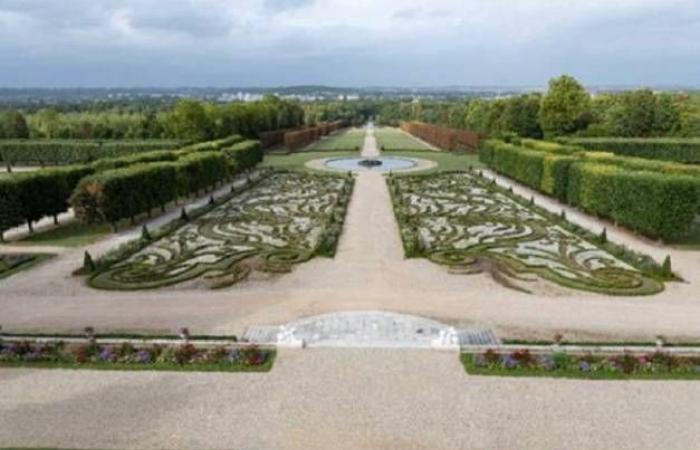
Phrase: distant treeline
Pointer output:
(187, 120)
(566, 109)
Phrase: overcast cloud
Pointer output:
(347, 42)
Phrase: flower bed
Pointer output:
(125, 356)
(657, 365)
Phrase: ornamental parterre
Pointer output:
(286, 219)
(463, 221)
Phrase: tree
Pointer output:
(565, 108)
(189, 120)
(14, 126)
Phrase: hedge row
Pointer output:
(295, 140)
(444, 138)
(243, 156)
(125, 193)
(657, 203)
(544, 171)
(62, 152)
(28, 197)
(654, 204)
(667, 149)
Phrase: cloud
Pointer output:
(349, 42)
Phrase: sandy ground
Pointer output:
(343, 399)
(368, 273)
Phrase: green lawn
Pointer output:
(345, 140)
(446, 161)
(72, 234)
(393, 139)
(296, 161)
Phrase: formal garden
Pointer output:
(464, 221)
(282, 220)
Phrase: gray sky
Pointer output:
(58, 43)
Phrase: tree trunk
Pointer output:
(31, 227)
(55, 219)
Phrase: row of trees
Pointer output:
(189, 120)
(565, 109)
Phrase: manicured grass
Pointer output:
(72, 234)
(468, 361)
(447, 162)
(155, 367)
(297, 161)
(345, 140)
(393, 139)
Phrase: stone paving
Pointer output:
(369, 329)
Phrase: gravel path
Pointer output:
(343, 399)
(368, 273)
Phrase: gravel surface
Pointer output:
(343, 399)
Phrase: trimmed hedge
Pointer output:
(116, 194)
(60, 152)
(244, 156)
(125, 193)
(666, 149)
(658, 199)
(654, 204)
(29, 197)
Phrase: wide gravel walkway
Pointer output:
(343, 399)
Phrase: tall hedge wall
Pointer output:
(62, 152)
(244, 156)
(124, 193)
(667, 149)
(658, 199)
(29, 197)
(654, 204)
(117, 194)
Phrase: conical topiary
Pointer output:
(563, 215)
(604, 236)
(212, 202)
(145, 234)
(183, 215)
(667, 269)
(88, 263)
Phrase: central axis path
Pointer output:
(370, 238)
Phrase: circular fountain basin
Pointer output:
(382, 164)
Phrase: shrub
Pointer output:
(657, 205)
(666, 149)
(124, 193)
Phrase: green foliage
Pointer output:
(60, 152)
(654, 198)
(666, 268)
(13, 125)
(124, 193)
(666, 149)
(88, 263)
(243, 156)
(145, 234)
(654, 204)
(565, 108)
